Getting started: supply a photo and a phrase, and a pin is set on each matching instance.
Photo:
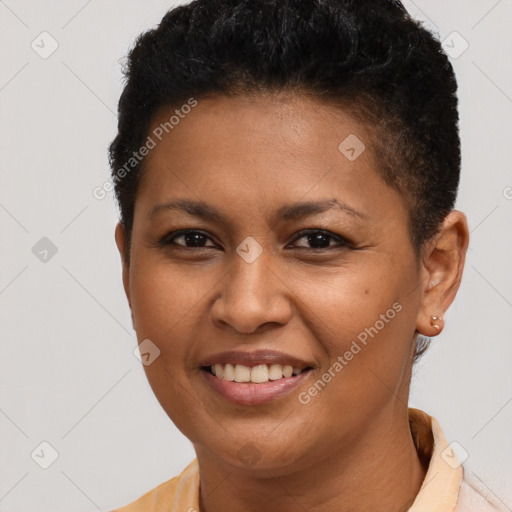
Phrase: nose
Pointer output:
(252, 295)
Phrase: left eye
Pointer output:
(320, 238)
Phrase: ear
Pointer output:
(120, 237)
(443, 261)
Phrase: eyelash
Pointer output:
(167, 240)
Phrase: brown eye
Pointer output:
(191, 238)
(320, 239)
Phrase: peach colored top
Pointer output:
(444, 489)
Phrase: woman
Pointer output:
(286, 173)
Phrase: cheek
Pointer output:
(167, 307)
(363, 320)
(367, 346)
(343, 302)
(166, 298)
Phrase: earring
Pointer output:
(435, 320)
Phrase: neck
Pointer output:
(379, 470)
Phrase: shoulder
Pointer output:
(475, 496)
(170, 495)
(148, 502)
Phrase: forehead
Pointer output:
(261, 152)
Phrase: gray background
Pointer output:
(67, 372)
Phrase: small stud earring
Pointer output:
(434, 322)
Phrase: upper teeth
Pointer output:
(258, 373)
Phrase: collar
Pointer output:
(440, 489)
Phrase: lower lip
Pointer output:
(251, 393)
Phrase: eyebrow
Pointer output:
(288, 212)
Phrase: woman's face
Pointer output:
(251, 278)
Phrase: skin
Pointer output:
(349, 448)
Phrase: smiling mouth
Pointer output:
(258, 374)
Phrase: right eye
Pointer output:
(192, 238)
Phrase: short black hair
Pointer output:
(369, 57)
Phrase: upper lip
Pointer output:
(254, 358)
